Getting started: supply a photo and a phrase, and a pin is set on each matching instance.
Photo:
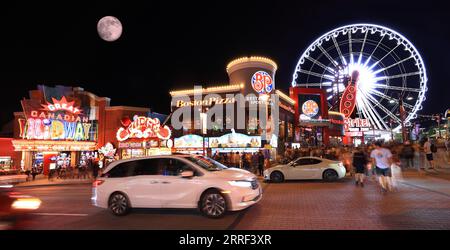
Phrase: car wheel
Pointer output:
(330, 175)
(276, 177)
(213, 204)
(119, 204)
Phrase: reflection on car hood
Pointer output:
(234, 174)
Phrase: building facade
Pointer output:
(227, 118)
(67, 125)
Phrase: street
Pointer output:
(421, 202)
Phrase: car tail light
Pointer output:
(97, 183)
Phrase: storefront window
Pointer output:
(63, 160)
(5, 163)
(132, 153)
(282, 129)
(290, 130)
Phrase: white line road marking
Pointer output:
(60, 214)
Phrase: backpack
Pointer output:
(433, 148)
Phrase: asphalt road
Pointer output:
(422, 204)
(69, 207)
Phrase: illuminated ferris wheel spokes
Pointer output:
(390, 69)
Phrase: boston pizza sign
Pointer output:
(262, 82)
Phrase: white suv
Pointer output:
(175, 181)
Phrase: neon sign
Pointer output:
(108, 150)
(348, 100)
(189, 141)
(142, 128)
(206, 102)
(262, 82)
(235, 140)
(356, 123)
(61, 105)
(310, 108)
(45, 129)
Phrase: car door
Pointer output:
(302, 169)
(315, 168)
(145, 188)
(179, 192)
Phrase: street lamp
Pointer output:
(203, 121)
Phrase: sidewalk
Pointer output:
(10, 179)
(428, 180)
(42, 180)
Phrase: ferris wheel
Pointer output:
(391, 71)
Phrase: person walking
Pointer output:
(82, 170)
(261, 163)
(34, 172)
(95, 168)
(359, 164)
(381, 158)
(408, 155)
(246, 161)
(427, 147)
(255, 163)
(232, 160)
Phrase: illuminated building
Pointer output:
(67, 125)
(254, 79)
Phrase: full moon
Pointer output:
(109, 28)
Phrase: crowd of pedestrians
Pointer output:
(384, 161)
(87, 169)
(254, 162)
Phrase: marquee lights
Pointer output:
(234, 87)
(38, 145)
(252, 59)
(285, 97)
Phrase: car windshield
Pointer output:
(207, 163)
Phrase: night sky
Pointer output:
(169, 45)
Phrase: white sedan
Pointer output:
(306, 168)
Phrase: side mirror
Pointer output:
(187, 174)
(292, 164)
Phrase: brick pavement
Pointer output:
(341, 205)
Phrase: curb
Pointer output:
(52, 184)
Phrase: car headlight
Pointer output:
(26, 203)
(242, 183)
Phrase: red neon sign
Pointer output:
(143, 127)
(348, 100)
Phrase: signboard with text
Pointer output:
(58, 119)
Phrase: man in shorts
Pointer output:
(381, 158)
(428, 153)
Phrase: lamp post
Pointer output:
(203, 121)
(392, 132)
(438, 119)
